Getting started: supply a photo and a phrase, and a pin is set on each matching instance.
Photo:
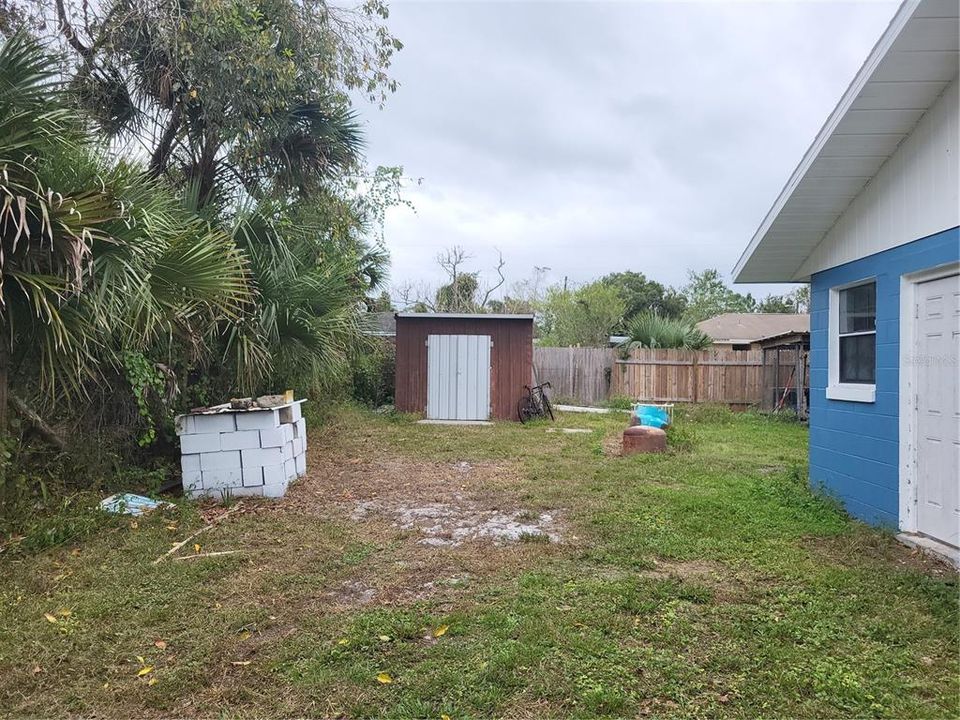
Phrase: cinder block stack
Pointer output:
(242, 452)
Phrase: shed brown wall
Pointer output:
(511, 359)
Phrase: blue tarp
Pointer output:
(651, 416)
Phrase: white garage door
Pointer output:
(458, 377)
(938, 409)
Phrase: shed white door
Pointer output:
(458, 377)
(938, 409)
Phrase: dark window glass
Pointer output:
(858, 358)
(858, 334)
(858, 309)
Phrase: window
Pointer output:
(858, 334)
(853, 342)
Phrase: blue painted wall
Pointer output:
(854, 447)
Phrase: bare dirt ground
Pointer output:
(440, 504)
(437, 526)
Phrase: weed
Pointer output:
(530, 537)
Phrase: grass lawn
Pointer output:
(704, 582)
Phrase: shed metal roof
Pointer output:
(911, 65)
(465, 316)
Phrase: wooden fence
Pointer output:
(732, 377)
(575, 373)
(588, 376)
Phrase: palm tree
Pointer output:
(310, 300)
(232, 102)
(94, 259)
(650, 330)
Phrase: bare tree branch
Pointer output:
(66, 29)
(494, 288)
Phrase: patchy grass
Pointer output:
(705, 581)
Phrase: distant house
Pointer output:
(380, 324)
(744, 331)
(870, 218)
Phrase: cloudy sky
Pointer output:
(594, 137)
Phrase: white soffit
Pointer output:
(907, 70)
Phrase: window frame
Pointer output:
(836, 390)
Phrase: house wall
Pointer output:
(913, 195)
(854, 446)
(511, 359)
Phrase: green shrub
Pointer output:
(619, 402)
(372, 374)
(680, 437)
(705, 413)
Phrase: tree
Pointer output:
(707, 295)
(640, 294)
(584, 316)
(776, 304)
(462, 292)
(96, 260)
(381, 303)
(795, 301)
(233, 99)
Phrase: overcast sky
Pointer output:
(596, 137)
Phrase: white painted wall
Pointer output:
(913, 195)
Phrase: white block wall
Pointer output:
(242, 453)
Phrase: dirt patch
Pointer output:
(875, 548)
(450, 524)
(612, 446)
(727, 585)
(429, 530)
(442, 504)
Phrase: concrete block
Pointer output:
(298, 446)
(257, 420)
(290, 469)
(252, 476)
(274, 474)
(300, 428)
(190, 463)
(247, 491)
(222, 479)
(287, 432)
(192, 480)
(258, 457)
(229, 460)
(272, 437)
(220, 423)
(301, 463)
(276, 490)
(200, 443)
(240, 440)
(291, 413)
(184, 425)
(288, 451)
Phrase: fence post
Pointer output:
(695, 377)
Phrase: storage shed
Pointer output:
(463, 366)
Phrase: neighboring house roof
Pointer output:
(911, 65)
(382, 324)
(465, 316)
(750, 327)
